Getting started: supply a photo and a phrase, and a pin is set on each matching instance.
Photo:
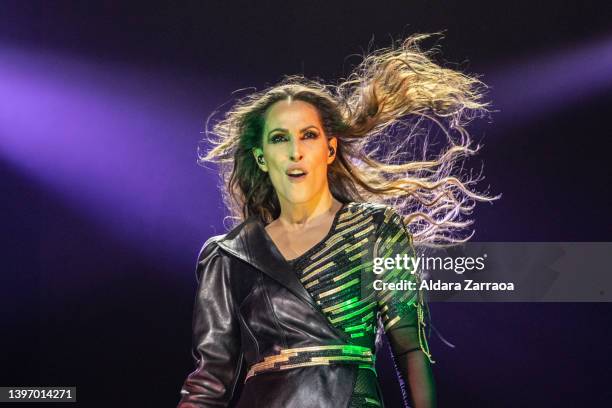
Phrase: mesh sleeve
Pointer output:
(402, 311)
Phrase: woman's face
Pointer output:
(296, 151)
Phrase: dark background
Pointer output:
(97, 279)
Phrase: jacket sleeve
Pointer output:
(402, 311)
(216, 335)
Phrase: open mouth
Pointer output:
(296, 174)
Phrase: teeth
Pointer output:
(295, 173)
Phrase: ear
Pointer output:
(332, 142)
(258, 152)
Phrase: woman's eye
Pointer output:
(277, 138)
(310, 134)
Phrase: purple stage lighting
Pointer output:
(116, 144)
(549, 83)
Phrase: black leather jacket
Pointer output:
(250, 304)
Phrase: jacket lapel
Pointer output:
(250, 243)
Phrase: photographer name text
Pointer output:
(438, 285)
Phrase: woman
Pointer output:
(286, 313)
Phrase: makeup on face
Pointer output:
(296, 150)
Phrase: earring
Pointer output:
(331, 151)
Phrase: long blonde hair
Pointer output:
(378, 114)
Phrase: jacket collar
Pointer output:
(250, 243)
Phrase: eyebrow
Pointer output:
(301, 130)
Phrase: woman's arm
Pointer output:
(216, 335)
(414, 366)
(403, 313)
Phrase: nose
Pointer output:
(296, 153)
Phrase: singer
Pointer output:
(319, 183)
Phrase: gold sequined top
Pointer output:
(339, 274)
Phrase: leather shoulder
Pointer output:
(212, 243)
(214, 260)
(209, 246)
(207, 252)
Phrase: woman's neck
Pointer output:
(298, 216)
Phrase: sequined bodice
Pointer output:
(331, 272)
